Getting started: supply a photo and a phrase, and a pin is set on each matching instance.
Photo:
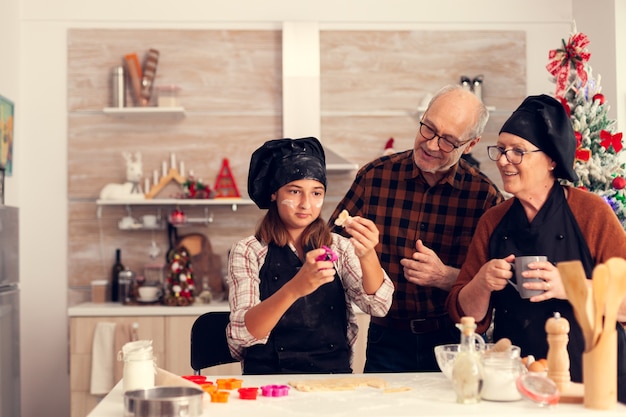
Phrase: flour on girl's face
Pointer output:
(289, 203)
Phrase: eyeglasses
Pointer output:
(514, 155)
(445, 144)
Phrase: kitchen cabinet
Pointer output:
(178, 349)
(82, 331)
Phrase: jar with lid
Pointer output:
(501, 370)
(467, 369)
(139, 365)
(126, 284)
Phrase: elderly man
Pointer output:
(426, 203)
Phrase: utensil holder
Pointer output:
(599, 373)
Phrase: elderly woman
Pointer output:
(535, 148)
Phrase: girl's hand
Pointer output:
(313, 274)
(364, 235)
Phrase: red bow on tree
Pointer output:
(611, 140)
(581, 154)
(572, 54)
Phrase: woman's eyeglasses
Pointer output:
(514, 156)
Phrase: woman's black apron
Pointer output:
(554, 233)
(311, 337)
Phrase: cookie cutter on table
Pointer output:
(248, 393)
(228, 383)
(274, 390)
(219, 396)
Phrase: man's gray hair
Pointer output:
(482, 116)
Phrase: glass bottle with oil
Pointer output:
(467, 370)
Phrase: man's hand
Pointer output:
(426, 269)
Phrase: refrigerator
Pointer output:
(9, 313)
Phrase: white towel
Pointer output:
(103, 359)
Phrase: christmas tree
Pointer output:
(179, 289)
(599, 160)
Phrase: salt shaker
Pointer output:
(139, 366)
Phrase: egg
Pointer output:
(527, 360)
(536, 366)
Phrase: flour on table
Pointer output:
(391, 390)
(338, 384)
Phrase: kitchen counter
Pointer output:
(121, 310)
(428, 394)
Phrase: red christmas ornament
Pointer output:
(581, 153)
(565, 104)
(177, 217)
(599, 97)
(619, 183)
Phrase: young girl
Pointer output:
(292, 284)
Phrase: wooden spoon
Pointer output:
(575, 284)
(599, 284)
(616, 289)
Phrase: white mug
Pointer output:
(149, 220)
(149, 293)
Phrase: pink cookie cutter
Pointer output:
(330, 255)
(274, 390)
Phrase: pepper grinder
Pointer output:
(557, 328)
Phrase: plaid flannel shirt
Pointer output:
(392, 193)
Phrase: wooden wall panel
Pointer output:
(371, 85)
(217, 70)
(374, 71)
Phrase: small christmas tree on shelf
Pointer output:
(599, 163)
(179, 288)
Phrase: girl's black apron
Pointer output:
(311, 337)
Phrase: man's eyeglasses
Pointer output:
(444, 143)
(514, 156)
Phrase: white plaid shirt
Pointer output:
(244, 265)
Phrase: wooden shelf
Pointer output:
(144, 111)
(233, 202)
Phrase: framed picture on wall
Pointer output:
(1, 186)
(7, 114)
